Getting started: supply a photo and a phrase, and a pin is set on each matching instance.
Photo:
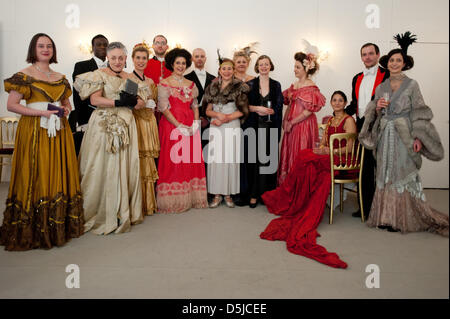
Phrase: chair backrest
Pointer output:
(350, 156)
(8, 127)
(322, 128)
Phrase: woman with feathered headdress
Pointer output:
(241, 59)
(398, 129)
(226, 103)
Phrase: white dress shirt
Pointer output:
(100, 63)
(201, 74)
(366, 89)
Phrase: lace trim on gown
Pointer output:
(179, 197)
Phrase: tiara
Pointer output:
(143, 44)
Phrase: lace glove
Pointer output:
(186, 131)
(126, 99)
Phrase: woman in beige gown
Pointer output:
(147, 129)
(109, 155)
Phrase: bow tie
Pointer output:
(369, 72)
(202, 72)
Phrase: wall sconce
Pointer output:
(85, 47)
(323, 55)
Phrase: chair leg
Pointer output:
(332, 203)
(341, 198)
(1, 168)
(361, 201)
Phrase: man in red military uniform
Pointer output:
(363, 91)
(156, 67)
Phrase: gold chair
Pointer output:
(9, 126)
(348, 168)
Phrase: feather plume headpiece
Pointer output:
(405, 40)
(312, 53)
(247, 51)
(222, 60)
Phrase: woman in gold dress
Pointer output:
(44, 206)
(147, 130)
(109, 154)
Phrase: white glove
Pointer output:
(150, 104)
(51, 129)
(184, 130)
(195, 126)
(58, 123)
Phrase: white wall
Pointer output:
(278, 26)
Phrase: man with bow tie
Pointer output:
(202, 79)
(363, 91)
(79, 118)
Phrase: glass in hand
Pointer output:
(386, 97)
(269, 105)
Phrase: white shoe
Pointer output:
(229, 202)
(216, 202)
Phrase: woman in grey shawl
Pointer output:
(398, 129)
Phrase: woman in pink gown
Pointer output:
(300, 200)
(182, 179)
(300, 123)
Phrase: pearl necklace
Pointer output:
(48, 74)
(180, 80)
(184, 91)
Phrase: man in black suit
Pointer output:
(363, 91)
(202, 79)
(79, 117)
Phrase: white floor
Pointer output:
(217, 253)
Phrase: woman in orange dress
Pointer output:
(44, 205)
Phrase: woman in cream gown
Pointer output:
(109, 155)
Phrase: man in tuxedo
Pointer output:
(363, 91)
(156, 66)
(79, 118)
(202, 79)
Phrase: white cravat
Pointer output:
(366, 89)
(201, 74)
(100, 63)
